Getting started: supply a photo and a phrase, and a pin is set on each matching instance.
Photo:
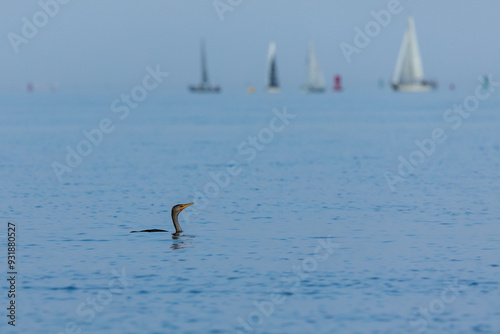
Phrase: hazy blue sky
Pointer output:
(92, 44)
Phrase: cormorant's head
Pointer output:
(179, 207)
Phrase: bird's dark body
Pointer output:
(150, 231)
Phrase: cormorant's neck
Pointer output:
(175, 219)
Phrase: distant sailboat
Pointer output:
(272, 70)
(204, 86)
(315, 79)
(409, 73)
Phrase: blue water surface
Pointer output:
(304, 236)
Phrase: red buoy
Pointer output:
(337, 87)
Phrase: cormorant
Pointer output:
(175, 214)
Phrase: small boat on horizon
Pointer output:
(409, 72)
(315, 79)
(205, 86)
(272, 84)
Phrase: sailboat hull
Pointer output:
(314, 89)
(273, 90)
(422, 87)
(204, 89)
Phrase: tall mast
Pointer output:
(204, 73)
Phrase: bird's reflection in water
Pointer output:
(181, 241)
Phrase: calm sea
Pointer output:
(360, 212)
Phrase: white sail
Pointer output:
(272, 70)
(409, 73)
(315, 79)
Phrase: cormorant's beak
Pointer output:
(183, 206)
